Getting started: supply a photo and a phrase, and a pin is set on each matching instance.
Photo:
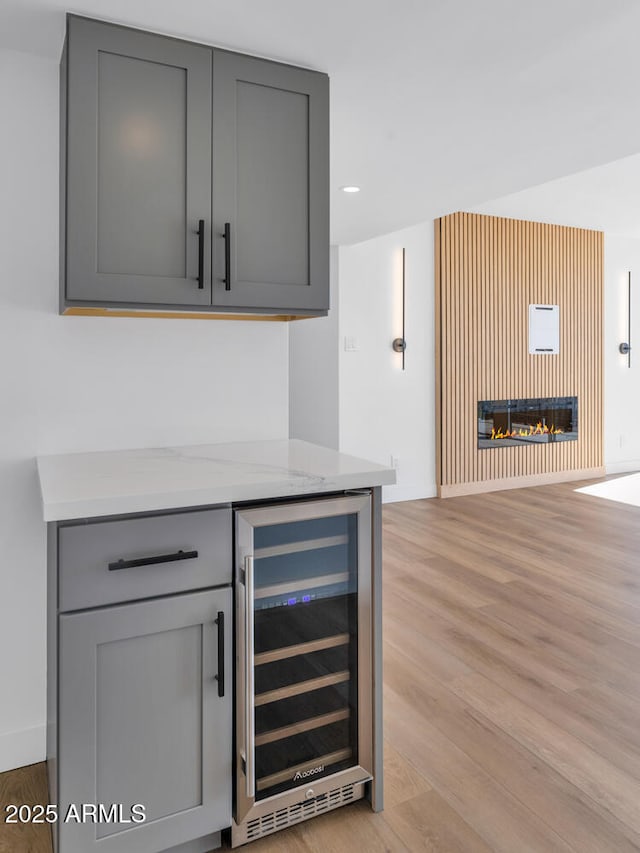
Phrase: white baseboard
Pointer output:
(627, 467)
(393, 494)
(26, 746)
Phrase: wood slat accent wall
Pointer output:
(488, 271)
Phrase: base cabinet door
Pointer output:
(145, 721)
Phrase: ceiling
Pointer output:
(437, 105)
(606, 198)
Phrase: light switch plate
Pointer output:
(351, 344)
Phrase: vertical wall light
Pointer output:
(625, 348)
(400, 344)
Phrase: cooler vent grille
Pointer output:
(282, 818)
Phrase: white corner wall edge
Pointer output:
(314, 352)
(21, 748)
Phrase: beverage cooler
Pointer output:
(304, 733)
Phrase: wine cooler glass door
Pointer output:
(304, 648)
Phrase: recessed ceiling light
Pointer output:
(350, 189)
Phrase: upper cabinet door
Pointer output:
(270, 185)
(138, 167)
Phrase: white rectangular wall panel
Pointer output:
(544, 329)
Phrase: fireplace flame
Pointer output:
(539, 429)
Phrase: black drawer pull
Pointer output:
(227, 255)
(200, 233)
(220, 676)
(151, 561)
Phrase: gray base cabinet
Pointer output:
(139, 712)
(191, 177)
(142, 671)
(140, 692)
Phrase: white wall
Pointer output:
(313, 373)
(75, 383)
(621, 397)
(384, 411)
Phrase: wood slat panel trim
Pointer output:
(521, 482)
(438, 328)
(488, 270)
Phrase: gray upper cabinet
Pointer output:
(168, 146)
(138, 165)
(270, 184)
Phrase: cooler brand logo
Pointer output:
(306, 773)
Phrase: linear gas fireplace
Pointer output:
(537, 420)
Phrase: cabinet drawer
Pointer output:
(123, 560)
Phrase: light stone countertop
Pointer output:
(88, 485)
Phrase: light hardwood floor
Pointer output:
(512, 684)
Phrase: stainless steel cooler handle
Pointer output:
(249, 685)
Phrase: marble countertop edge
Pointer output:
(109, 483)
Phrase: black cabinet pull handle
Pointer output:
(227, 255)
(220, 676)
(200, 233)
(151, 561)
